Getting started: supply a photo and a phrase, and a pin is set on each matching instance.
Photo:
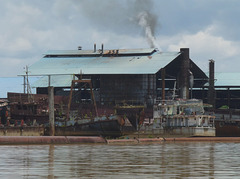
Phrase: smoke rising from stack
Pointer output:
(121, 16)
(144, 23)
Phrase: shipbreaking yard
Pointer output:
(112, 93)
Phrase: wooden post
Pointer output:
(51, 109)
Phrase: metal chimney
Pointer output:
(102, 48)
(184, 73)
(211, 89)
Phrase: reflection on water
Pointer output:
(166, 160)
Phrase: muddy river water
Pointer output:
(165, 160)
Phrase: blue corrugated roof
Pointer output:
(55, 80)
(137, 64)
(227, 79)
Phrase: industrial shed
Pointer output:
(226, 90)
(136, 76)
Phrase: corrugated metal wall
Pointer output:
(135, 89)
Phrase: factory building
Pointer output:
(133, 77)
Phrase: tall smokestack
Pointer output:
(211, 90)
(102, 48)
(184, 73)
(95, 48)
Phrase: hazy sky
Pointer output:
(210, 28)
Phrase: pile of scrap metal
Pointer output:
(11, 127)
(33, 110)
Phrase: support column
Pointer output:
(51, 109)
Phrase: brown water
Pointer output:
(166, 160)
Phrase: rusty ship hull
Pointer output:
(99, 128)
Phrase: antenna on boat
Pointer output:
(27, 86)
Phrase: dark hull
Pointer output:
(105, 128)
(227, 123)
(227, 128)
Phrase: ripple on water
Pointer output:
(166, 160)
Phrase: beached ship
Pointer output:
(179, 118)
(100, 126)
(85, 120)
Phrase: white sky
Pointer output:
(210, 28)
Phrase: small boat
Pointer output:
(180, 117)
